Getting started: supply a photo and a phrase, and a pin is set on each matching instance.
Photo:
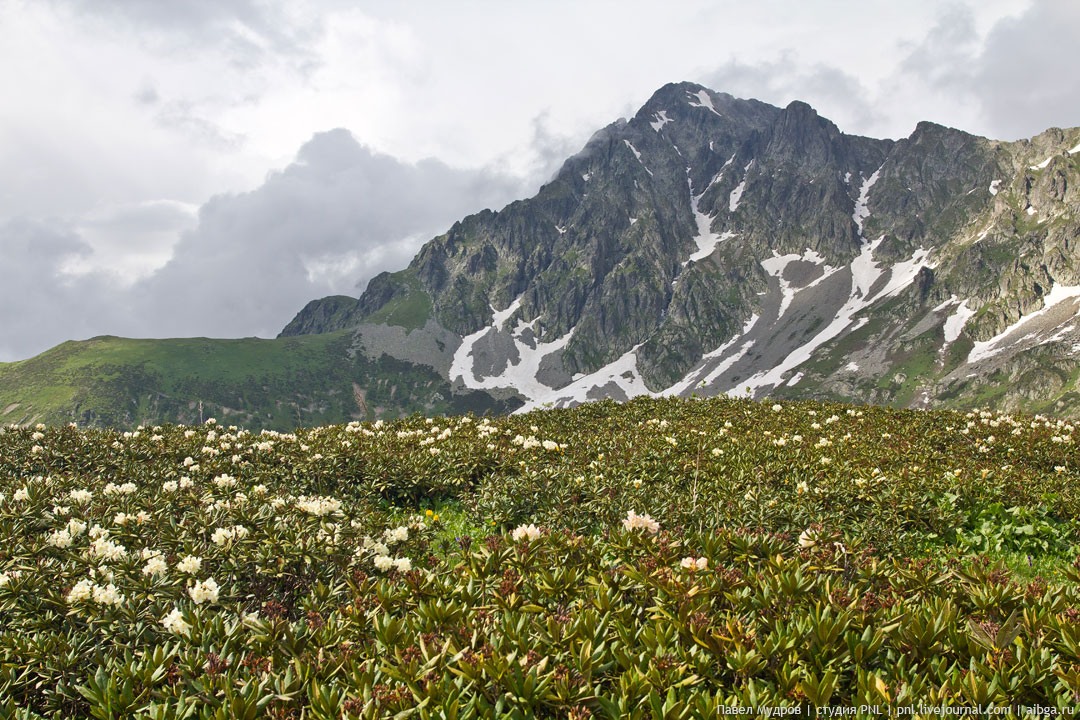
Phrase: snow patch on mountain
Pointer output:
(499, 317)
(955, 323)
(706, 240)
(703, 101)
(865, 274)
(988, 348)
(861, 210)
(622, 373)
(776, 265)
(694, 378)
(1059, 335)
(736, 196)
(707, 244)
(660, 120)
(520, 376)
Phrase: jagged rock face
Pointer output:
(713, 244)
(322, 316)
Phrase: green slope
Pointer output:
(249, 382)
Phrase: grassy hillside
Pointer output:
(660, 558)
(254, 383)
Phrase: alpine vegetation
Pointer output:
(659, 558)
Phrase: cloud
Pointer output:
(325, 224)
(1023, 63)
(129, 242)
(1030, 62)
(835, 93)
(39, 297)
(249, 31)
(182, 116)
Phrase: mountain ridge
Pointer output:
(715, 245)
(769, 184)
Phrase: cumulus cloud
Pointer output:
(325, 224)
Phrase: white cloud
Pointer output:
(325, 224)
(130, 242)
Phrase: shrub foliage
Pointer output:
(660, 558)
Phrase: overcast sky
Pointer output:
(206, 167)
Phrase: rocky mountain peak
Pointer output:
(711, 243)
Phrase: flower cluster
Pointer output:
(523, 532)
(633, 521)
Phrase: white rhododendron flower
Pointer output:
(106, 549)
(633, 521)
(225, 481)
(403, 564)
(224, 535)
(155, 566)
(205, 591)
(689, 563)
(80, 497)
(526, 531)
(398, 534)
(83, 590)
(807, 539)
(190, 564)
(383, 562)
(174, 622)
(60, 538)
(318, 506)
(169, 486)
(107, 595)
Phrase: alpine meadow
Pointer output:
(658, 558)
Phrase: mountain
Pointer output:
(707, 245)
(717, 245)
